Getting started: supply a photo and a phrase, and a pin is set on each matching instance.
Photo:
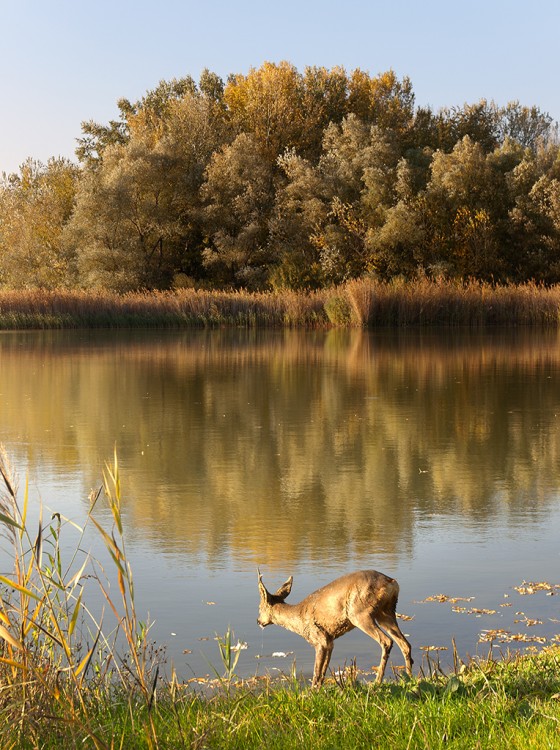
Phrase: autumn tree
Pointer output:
(135, 220)
(383, 100)
(267, 103)
(290, 179)
(238, 193)
(301, 209)
(535, 215)
(35, 204)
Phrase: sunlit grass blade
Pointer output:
(12, 663)
(9, 521)
(25, 505)
(111, 545)
(85, 661)
(77, 577)
(77, 610)
(21, 589)
(9, 638)
(31, 622)
(84, 664)
(38, 546)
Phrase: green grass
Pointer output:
(360, 303)
(65, 682)
(511, 704)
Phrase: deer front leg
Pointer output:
(322, 658)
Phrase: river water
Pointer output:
(431, 456)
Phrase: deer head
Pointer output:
(268, 600)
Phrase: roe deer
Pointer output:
(366, 600)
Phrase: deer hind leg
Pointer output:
(367, 624)
(389, 623)
(322, 658)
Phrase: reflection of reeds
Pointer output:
(363, 302)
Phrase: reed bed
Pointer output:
(184, 308)
(358, 303)
(67, 683)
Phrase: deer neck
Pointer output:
(288, 616)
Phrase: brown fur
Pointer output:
(365, 599)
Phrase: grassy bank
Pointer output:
(70, 680)
(513, 704)
(365, 303)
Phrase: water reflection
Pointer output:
(432, 457)
(279, 447)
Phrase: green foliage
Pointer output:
(285, 179)
(35, 205)
(338, 309)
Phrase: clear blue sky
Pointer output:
(65, 61)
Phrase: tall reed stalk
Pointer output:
(361, 302)
(56, 663)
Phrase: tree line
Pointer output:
(287, 179)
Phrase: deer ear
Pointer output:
(285, 589)
(262, 590)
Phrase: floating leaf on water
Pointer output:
(405, 617)
(204, 638)
(433, 648)
(210, 604)
(474, 611)
(504, 636)
(442, 598)
(506, 604)
(527, 588)
(524, 638)
(187, 651)
(491, 635)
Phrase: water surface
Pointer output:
(430, 456)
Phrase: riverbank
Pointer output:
(360, 303)
(510, 704)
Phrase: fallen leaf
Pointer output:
(531, 588)
(405, 617)
(442, 598)
(504, 636)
